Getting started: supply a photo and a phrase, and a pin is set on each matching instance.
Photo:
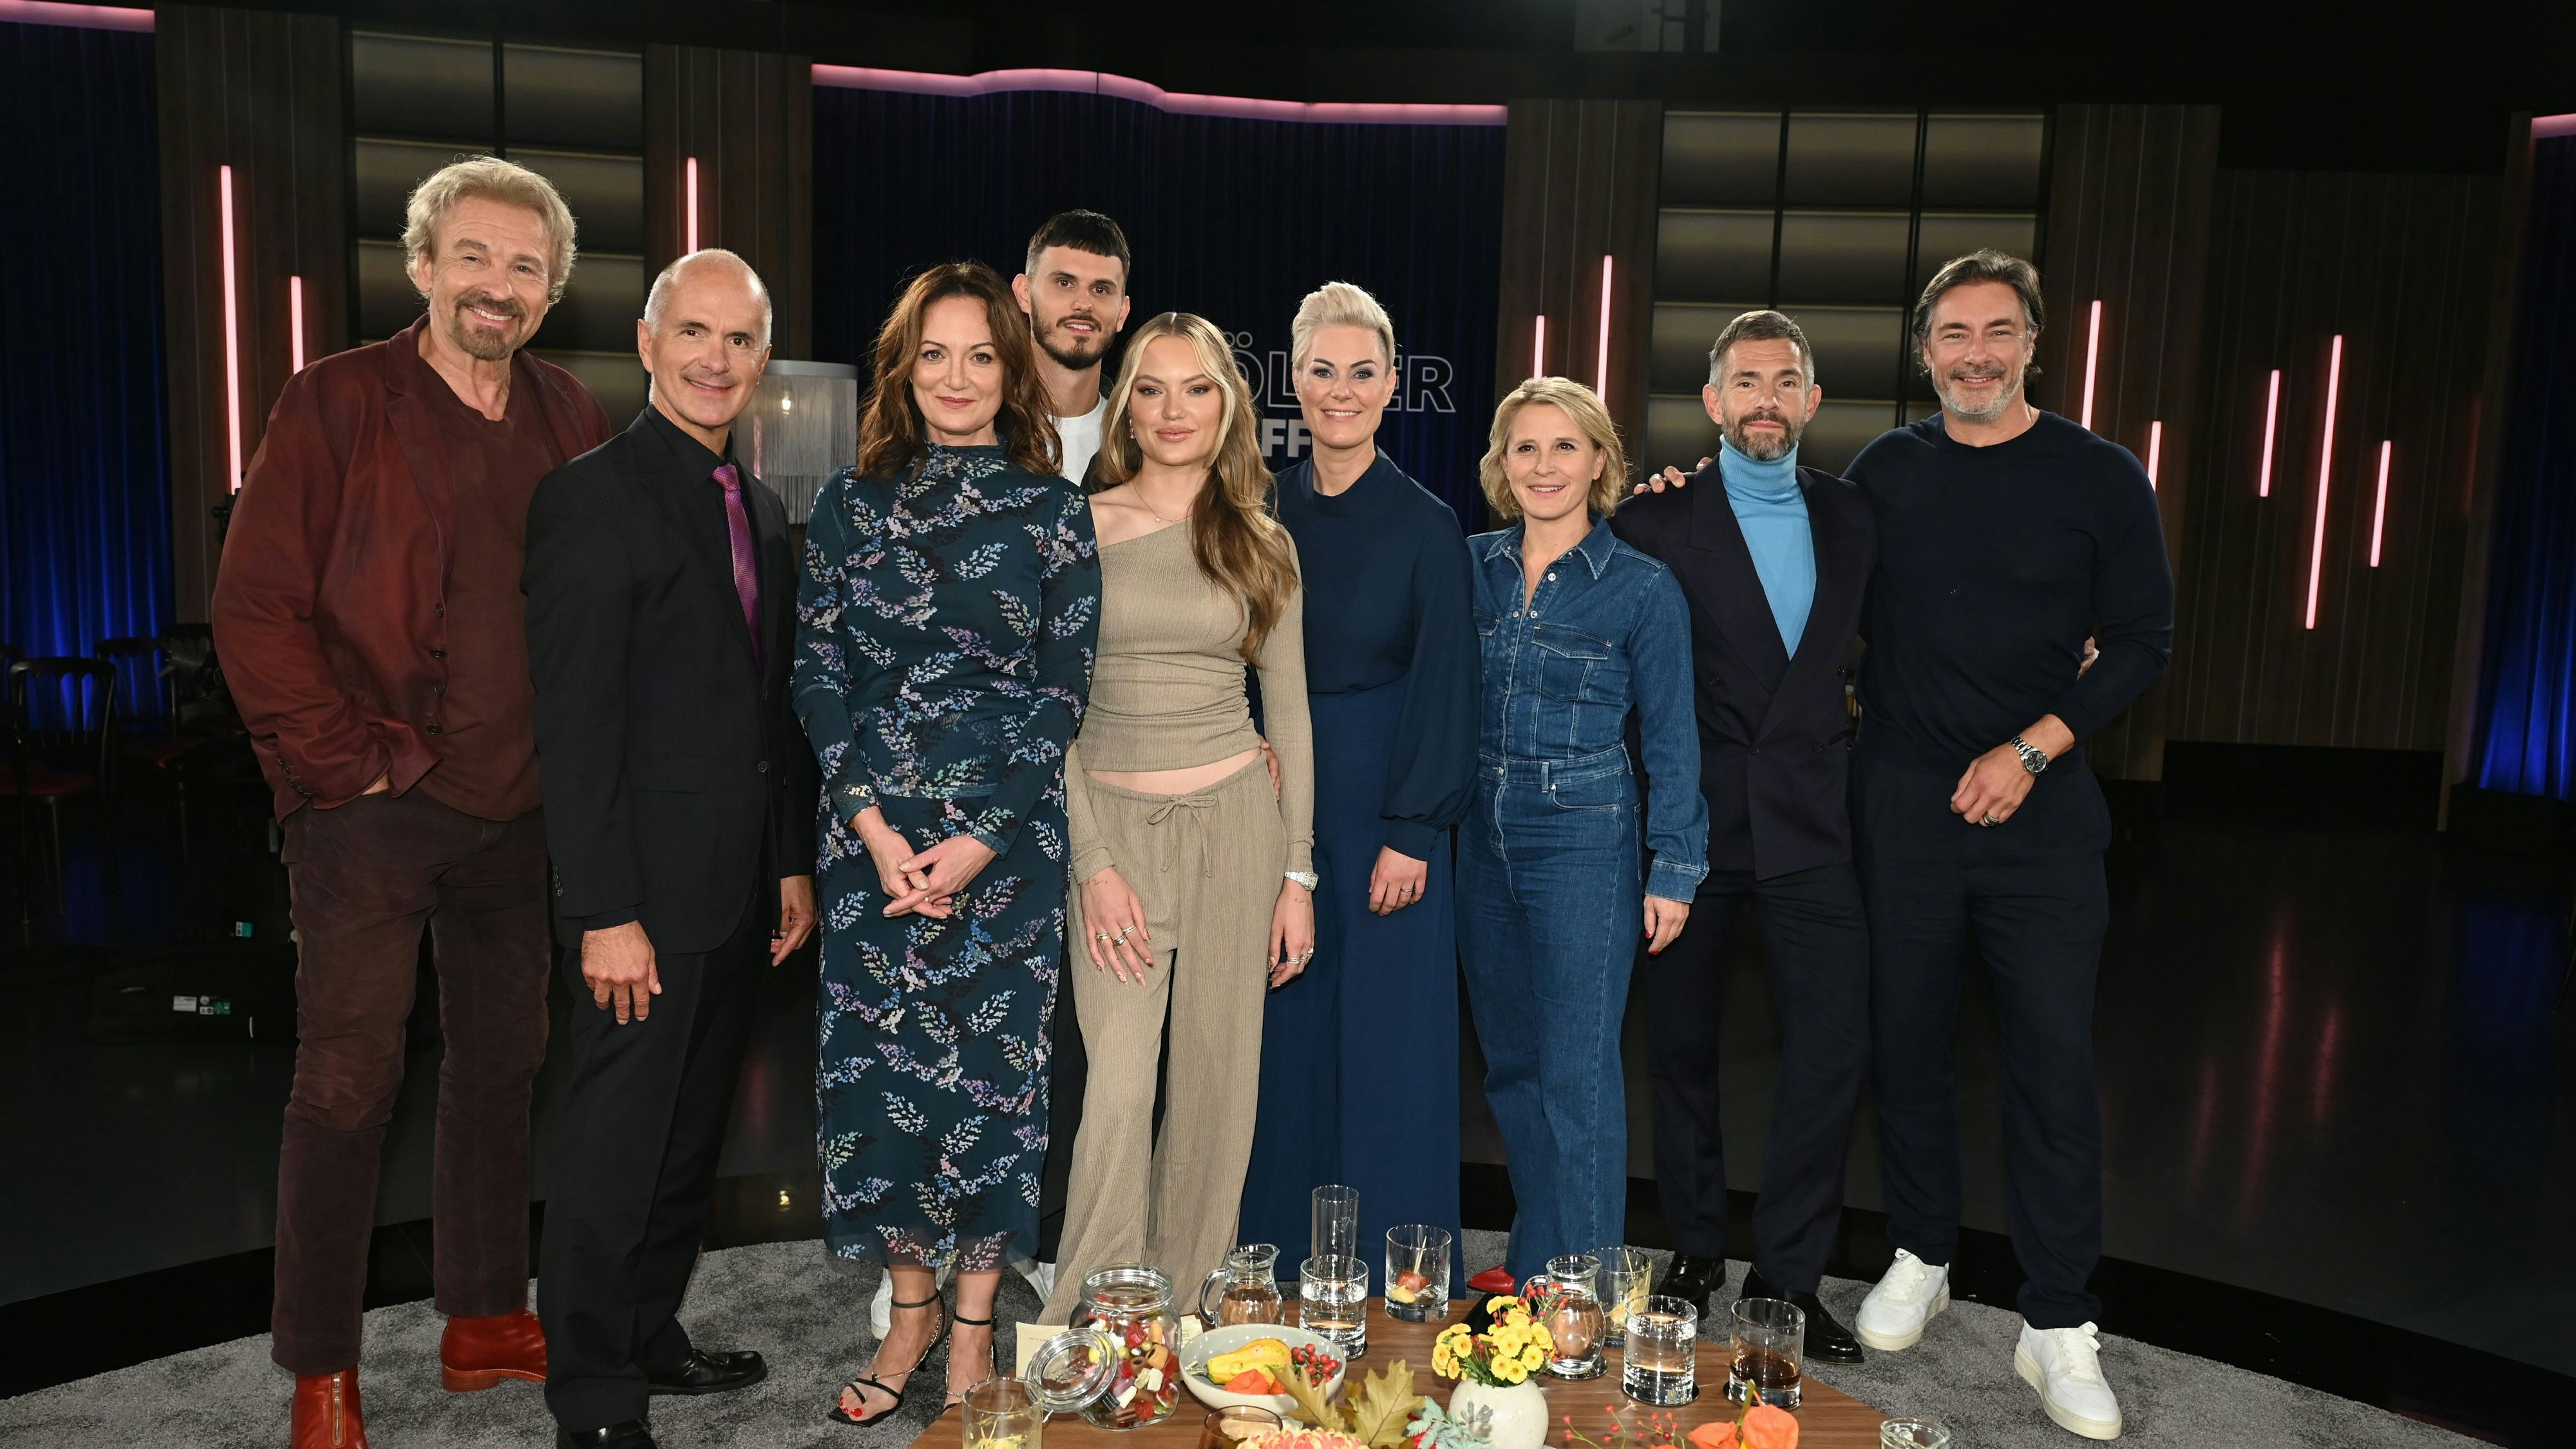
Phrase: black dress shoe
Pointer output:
(1692, 1279)
(710, 1373)
(633, 1434)
(1827, 1340)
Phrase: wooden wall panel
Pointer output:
(1580, 181)
(2128, 226)
(2400, 266)
(262, 92)
(748, 118)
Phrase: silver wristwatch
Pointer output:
(2031, 758)
(1306, 878)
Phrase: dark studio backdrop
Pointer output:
(1235, 220)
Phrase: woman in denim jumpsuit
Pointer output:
(1577, 629)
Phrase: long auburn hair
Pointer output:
(892, 437)
(1240, 547)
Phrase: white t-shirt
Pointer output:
(1081, 439)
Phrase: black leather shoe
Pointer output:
(633, 1434)
(710, 1373)
(1827, 1340)
(1692, 1279)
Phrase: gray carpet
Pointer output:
(811, 1321)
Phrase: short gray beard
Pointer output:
(468, 339)
(1759, 451)
(2003, 403)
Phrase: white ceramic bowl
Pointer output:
(1226, 1340)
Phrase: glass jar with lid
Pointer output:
(1119, 1365)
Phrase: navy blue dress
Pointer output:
(943, 654)
(1359, 1060)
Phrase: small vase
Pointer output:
(1516, 1414)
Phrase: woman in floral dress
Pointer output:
(947, 619)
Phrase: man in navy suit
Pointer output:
(1775, 559)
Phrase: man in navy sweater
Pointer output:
(2007, 535)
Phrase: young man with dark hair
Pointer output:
(2007, 535)
(1075, 294)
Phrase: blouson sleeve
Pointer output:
(2133, 608)
(1066, 629)
(1282, 666)
(1668, 732)
(1433, 766)
(826, 676)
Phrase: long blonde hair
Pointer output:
(1583, 408)
(1240, 548)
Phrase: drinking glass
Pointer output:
(1228, 1427)
(1659, 1361)
(1417, 1273)
(1913, 1434)
(1627, 1279)
(1768, 1342)
(1332, 1302)
(1004, 1413)
(1569, 1303)
(1336, 1221)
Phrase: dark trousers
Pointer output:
(367, 878)
(1068, 1068)
(1814, 933)
(2032, 892)
(644, 1120)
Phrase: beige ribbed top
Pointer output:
(1167, 687)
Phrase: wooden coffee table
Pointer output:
(1827, 1420)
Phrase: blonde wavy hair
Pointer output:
(1339, 304)
(1583, 407)
(1240, 548)
(497, 180)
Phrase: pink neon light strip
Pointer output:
(2325, 475)
(2379, 510)
(2271, 415)
(1538, 348)
(295, 322)
(81, 17)
(2542, 127)
(1093, 82)
(2092, 358)
(693, 207)
(1601, 370)
(232, 334)
(2155, 448)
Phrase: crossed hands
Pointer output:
(923, 883)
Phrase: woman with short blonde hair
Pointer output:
(1583, 408)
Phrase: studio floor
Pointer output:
(2336, 1076)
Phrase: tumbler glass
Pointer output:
(1913, 1434)
(1230, 1426)
(1336, 1222)
(1659, 1360)
(1627, 1279)
(1004, 1413)
(1417, 1273)
(1768, 1340)
(1332, 1302)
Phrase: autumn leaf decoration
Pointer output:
(1375, 1416)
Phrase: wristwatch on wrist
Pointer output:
(1306, 878)
(2031, 758)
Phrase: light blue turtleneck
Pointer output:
(1772, 511)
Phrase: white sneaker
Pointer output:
(1906, 1298)
(1041, 1277)
(881, 1307)
(2065, 1365)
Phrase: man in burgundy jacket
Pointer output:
(372, 629)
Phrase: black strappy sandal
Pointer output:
(858, 1387)
(991, 1356)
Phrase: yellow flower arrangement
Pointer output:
(1512, 1347)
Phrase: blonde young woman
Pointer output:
(1194, 881)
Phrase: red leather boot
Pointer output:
(326, 1412)
(476, 1353)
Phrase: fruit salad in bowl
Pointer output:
(1249, 1363)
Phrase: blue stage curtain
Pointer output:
(2527, 692)
(1232, 219)
(84, 476)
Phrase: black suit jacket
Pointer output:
(674, 772)
(1774, 731)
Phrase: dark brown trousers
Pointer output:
(367, 877)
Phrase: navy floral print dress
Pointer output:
(943, 652)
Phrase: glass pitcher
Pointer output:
(1119, 1365)
(1567, 1298)
(1246, 1289)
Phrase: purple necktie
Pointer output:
(746, 573)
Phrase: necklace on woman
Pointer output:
(1159, 518)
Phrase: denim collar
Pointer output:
(1595, 548)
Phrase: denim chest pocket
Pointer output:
(1575, 667)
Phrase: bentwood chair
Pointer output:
(62, 736)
